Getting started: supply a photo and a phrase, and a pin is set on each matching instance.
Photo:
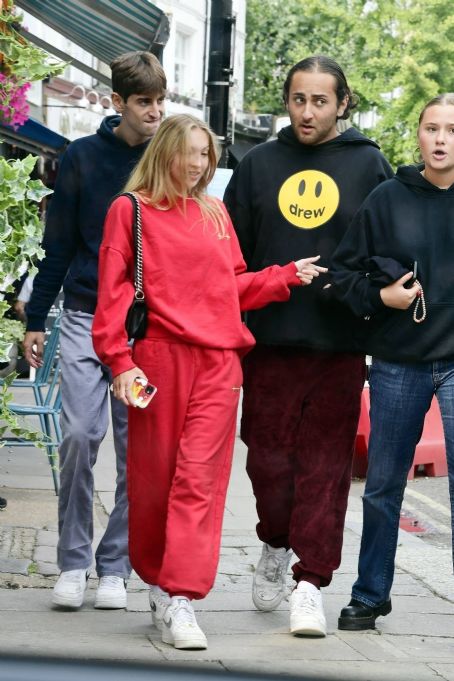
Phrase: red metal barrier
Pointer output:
(430, 451)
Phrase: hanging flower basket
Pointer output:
(20, 64)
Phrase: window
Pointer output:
(181, 61)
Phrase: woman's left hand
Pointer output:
(397, 296)
(122, 385)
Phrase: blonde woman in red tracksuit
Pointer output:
(196, 286)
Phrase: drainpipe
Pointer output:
(220, 71)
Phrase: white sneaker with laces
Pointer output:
(306, 611)
(269, 585)
(69, 590)
(111, 593)
(159, 602)
(180, 627)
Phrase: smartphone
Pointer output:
(411, 281)
(143, 392)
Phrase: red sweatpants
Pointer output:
(300, 416)
(179, 459)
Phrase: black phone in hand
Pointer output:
(414, 269)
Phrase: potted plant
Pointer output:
(20, 233)
(20, 224)
(20, 237)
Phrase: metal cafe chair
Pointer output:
(47, 402)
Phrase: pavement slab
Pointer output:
(416, 641)
(445, 671)
(340, 671)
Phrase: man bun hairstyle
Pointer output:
(137, 73)
(322, 64)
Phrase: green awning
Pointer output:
(104, 28)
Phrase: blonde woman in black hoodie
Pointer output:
(394, 267)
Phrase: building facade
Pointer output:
(73, 104)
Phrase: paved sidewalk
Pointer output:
(415, 642)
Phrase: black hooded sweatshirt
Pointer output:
(288, 200)
(406, 219)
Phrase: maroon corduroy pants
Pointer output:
(300, 416)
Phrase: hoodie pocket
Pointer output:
(430, 340)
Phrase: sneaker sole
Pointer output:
(308, 631)
(65, 602)
(184, 644)
(307, 627)
(267, 606)
(111, 604)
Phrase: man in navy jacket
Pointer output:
(93, 170)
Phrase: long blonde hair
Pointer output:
(152, 178)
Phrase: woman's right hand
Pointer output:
(122, 384)
(307, 270)
(397, 296)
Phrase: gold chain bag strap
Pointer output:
(136, 318)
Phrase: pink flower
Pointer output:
(14, 108)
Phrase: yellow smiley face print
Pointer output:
(308, 199)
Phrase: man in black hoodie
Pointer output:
(93, 170)
(303, 381)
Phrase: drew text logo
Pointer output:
(308, 199)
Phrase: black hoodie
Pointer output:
(288, 200)
(92, 171)
(407, 219)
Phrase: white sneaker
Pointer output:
(111, 593)
(269, 585)
(159, 602)
(69, 590)
(180, 627)
(306, 611)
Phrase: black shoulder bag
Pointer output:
(136, 319)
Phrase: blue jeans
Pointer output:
(400, 396)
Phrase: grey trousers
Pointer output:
(84, 421)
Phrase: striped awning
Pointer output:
(104, 28)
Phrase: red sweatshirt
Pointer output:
(195, 283)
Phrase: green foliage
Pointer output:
(20, 228)
(23, 59)
(20, 237)
(20, 224)
(11, 330)
(272, 31)
(10, 423)
(397, 54)
(424, 56)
